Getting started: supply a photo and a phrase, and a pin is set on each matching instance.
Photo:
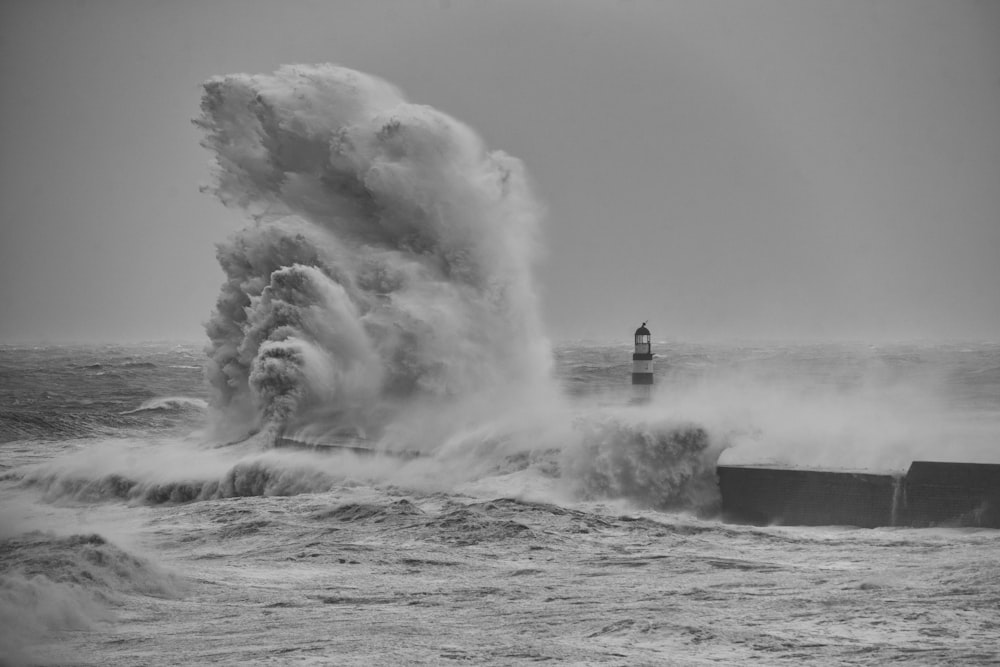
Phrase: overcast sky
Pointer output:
(726, 170)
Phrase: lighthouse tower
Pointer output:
(642, 366)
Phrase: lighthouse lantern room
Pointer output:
(642, 365)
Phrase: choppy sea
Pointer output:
(129, 535)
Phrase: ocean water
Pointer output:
(132, 534)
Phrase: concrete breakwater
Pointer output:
(929, 494)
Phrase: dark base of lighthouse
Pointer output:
(929, 494)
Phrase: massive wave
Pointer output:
(384, 292)
(389, 263)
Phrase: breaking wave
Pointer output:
(389, 262)
(50, 583)
(170, 404)
(653, 462)
(257, 477)
(384, 294)
(648, 461)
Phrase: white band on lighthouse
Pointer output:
(642, 366)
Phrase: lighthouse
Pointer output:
(642, 366)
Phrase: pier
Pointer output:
(930, 493)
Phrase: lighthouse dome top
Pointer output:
(642, 331)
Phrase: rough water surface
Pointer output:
(340, 559)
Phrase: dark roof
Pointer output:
(642, 331)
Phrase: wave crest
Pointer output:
(51, 583)
(170, 404)
(390, 259)
(656, 463)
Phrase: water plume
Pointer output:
(645, 455)
(384, 292)
(389, 262)
(51, 583)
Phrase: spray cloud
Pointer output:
(389, 262)
(385, 290)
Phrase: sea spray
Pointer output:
(51, 583)
(384, 292)
(847, 413)
(640, 455)
(390, 259)
(170, 404)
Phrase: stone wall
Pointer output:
(957, 494)
(930, 494)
